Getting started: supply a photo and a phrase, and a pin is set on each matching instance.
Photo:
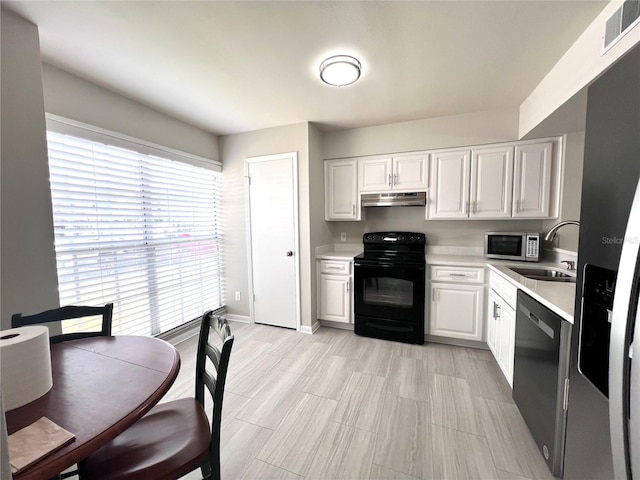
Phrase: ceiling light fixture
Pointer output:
(340, 70)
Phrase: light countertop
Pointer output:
(338, 251)
(557, 296)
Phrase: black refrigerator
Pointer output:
(603, 428)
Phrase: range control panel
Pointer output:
(404, 238)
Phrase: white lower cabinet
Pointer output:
(501, 323)
(457, 302)
(334, 291)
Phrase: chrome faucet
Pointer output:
(552, 233)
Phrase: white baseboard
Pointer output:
(341, 326)
(310, 330)
(238, 318)
(458, 342)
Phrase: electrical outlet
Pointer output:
(343, 236)
(237, 296)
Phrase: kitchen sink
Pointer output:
(546, 274)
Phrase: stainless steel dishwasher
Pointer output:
(541, 369)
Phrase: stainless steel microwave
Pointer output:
(524, 247)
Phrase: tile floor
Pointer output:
(337, 406)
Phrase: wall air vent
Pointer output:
(621, 21)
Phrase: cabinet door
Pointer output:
(491, 182)
(532, 181)
(341, 190)
(457, 311)
(449, 192)
(493, 325)
(334, 300)
(410, 172)
(375, 174)
(507, 341)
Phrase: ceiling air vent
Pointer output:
(622, 19)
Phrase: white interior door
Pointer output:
(273, 210)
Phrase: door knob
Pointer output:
(289, 253)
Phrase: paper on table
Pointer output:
(38, 440)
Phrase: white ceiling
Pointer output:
(230, 67)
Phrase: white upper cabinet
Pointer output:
(491, 182)
(401, 173)
(532, 181)
(449, 193)
(498, 181)
(410, 172)
(375, 174)
(341, 190)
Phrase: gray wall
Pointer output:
(234, 149)
(72, 97)
(567, 237)
(442, 132)
(28, 273)
(320, 231)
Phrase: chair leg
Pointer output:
(205, 467)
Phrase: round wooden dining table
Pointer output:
(101, 386)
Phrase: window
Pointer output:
(137, 230)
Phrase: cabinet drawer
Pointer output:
(335, 267)
(504, 288)
(457, 274)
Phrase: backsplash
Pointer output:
(462, 233)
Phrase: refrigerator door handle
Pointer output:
(619, 361)
(634, 404)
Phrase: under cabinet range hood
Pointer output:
(394, 199)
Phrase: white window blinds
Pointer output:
(137, 230)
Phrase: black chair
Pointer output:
(174, 438)
(68, 313)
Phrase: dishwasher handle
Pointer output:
(548, 331)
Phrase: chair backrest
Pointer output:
(213, 379)
(68, 313)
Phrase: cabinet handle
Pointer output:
(466, 207)
(347, 286)
(498, 308)
(353, 209)
(395, 179)
(433, 294)
(457, 275)
(390, 177)
(475, 207)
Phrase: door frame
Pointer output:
(293, 156)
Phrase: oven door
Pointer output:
(390, 291)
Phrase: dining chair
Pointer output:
(173, 438)
(69, 312)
